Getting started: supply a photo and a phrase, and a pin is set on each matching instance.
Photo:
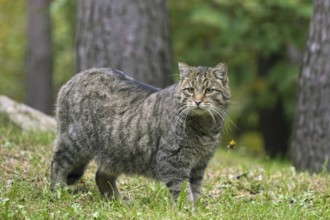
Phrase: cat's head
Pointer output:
(204, 89)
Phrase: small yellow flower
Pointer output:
(231, 144)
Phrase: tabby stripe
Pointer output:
(65, 156)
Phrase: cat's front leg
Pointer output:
(196, 179)
(175, 187)
(175, 176)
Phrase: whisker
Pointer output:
(181, 115)
(222, 114)
(222, 117)
(213, 118)
(227, 116)
(218, 113)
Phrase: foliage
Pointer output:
(244, 34)
(12, 42)
(236, 186)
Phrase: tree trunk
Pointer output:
(39, 56)
(310, 146)
(132, 36)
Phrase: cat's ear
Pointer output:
(220, 72)
(184, 69)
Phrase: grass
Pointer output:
(237, 186)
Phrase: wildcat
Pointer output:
(129, 127)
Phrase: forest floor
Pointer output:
(236, 186)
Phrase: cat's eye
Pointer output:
(208, 91)
(190, 90)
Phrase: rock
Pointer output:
(26, 117)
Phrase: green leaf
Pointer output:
(211, 17)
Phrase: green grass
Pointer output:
(237, 186)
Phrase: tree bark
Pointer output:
(39, 56)
(132, 36)
(310, 145)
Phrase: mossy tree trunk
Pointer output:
(132, 36)
(310, 146)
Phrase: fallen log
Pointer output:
(25, 117)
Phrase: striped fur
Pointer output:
(129, 127)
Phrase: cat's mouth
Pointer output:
(198, 109)
(198, 106)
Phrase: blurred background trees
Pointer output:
(261, 41)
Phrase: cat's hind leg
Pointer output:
(107, 184)
(76, 174)
(68, 165)
(63, 172)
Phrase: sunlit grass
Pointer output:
(237, 186)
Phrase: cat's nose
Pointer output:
(198, 102)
